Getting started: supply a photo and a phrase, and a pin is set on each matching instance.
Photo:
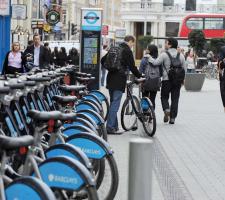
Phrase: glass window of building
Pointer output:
(168, 2)
(195, 23)
(214, 23)
(172, 29)
(190, 5)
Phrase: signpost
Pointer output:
(91, 26)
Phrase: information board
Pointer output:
(91, 26)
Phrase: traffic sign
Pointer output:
(105, 30)
(37, 23)
(91, 20)
(53, 17)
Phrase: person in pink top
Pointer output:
(14, 61)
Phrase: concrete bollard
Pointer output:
(140, 169)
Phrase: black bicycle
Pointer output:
(134, 109)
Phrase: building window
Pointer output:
(172, 29)
(190, 5)
(168, 2)
(214, 23)
(195, 23)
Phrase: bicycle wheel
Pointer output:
(128, 116)
(148, 117)
(27, 188)
(109, 184)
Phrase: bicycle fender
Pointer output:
(75, 129)
(94, 115)
(92, 145)
(99, 94)
(70, 151)
(145, 103)
(65, 173)
(26, 188)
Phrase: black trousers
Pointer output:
(168, 89)
(222, 91)
(151, 95)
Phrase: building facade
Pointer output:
(70, 11)
(163, 18)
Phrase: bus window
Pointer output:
(213, 23)
(195, 23)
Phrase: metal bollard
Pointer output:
(140, 169)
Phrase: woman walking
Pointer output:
(152, 74)
(14, 60)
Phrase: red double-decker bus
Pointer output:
(213, 25)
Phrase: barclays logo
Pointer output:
(62, 179)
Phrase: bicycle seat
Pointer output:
(29, 83)
(39, 79)
(80, 74)
(58, 74)
(81, 79)
(64, 99)
(11, 143)
(54, 115)
(4, 90)
(70, 88)
(49, 75)
(15, 85)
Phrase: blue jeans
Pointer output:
(115, 99)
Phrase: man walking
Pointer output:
(39, 53)
(168, 87)
(116, 82)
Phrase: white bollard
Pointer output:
(140, 169)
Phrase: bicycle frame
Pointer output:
(130, 96)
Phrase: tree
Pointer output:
(215, 44)
(143, 41)
(197, 41)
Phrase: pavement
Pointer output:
(189, 157)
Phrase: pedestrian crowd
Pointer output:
(37, 55)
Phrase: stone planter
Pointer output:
(194, 81)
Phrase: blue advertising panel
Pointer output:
(91, 25)
(5, 27)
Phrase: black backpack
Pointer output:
(113, 59)
(176, 73)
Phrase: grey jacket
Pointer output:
(164, 59)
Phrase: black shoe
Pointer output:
(172, 121)
(118, 132)
(166, 116)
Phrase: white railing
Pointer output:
(147, 6)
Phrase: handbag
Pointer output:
(152, 84)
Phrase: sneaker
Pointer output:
(118, 132)
(166, 116)
(172, 121)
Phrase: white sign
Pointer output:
(120, 33)
(19, 11)
(4, 7)
(205, 2)
(91, 19)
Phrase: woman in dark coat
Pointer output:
(14, 60)
(62, 57)
(73, 57)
